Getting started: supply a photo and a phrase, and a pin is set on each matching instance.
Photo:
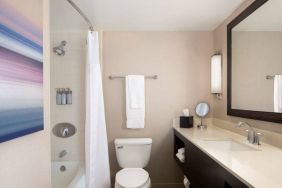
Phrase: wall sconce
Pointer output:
(216, 75)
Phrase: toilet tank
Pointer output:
(133, 152)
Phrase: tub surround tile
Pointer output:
(68, 71)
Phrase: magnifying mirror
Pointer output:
(202, 110)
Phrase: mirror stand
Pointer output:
(202, 126)
(202, 110)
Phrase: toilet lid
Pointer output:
(132, 177)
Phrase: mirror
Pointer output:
(202, 110)
(255, 62)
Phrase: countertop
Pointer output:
(260, 167)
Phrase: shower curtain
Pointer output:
(96, 145)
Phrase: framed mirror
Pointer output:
(254, 62)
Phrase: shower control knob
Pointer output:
(64, 131)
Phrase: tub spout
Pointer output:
(63, 153)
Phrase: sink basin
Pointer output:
(228, 145)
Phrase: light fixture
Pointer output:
(216, 74)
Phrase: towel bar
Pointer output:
(111, 77)
(269, 77)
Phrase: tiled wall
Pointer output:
(68, 71)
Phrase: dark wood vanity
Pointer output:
(201, 170)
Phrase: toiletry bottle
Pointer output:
(58, 97)
(69, 96)
(64, 97)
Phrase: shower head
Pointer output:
(59, 50)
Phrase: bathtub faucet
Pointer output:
(63, 153)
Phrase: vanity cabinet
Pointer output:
(201, 170)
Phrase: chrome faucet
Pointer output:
(253, 137)
(64, 131)
(63, 153)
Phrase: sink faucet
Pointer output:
(253, 137)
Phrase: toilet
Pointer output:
(133, 154)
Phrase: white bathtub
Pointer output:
(72, 177)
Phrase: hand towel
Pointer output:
(181, 151)
(181, 157)
(186, 182)
(135, 101)
(278, 93)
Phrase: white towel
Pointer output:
(278, 93)
(186, 182)
(181, 157)
(181, 151)
(135, 101)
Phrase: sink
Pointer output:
(228, 145)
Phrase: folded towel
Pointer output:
(135, 101)
(136, 91)
(186, 182)
(181, 150)
(181, 157)
(278, 93)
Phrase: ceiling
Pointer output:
(267, 18)
(143, 15)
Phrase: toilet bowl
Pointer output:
(132, 178)
(133, 155)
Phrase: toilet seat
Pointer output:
(132, 178)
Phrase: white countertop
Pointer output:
(260, 168)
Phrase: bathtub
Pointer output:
(68, 174)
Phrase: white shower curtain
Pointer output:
(96, 145)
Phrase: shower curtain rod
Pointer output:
(82, 14)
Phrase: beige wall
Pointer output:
(220, 117)
(255, 54)
(25, 161)
(182, 62)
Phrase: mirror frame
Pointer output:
(258, 115)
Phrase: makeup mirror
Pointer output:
(202, 110)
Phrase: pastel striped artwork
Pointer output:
(21, 72)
